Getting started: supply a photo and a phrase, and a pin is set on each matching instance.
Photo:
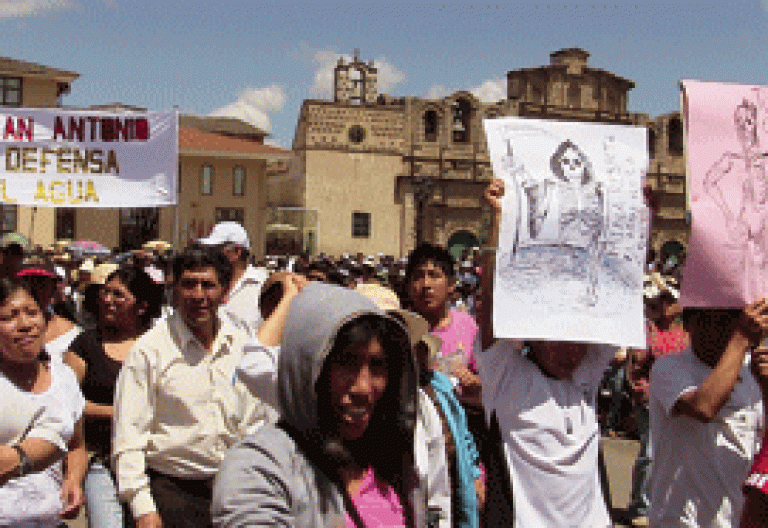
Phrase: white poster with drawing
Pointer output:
(574, 230)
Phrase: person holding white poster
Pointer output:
(544, 404)
(573, 236)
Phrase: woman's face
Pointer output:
(572, 164)
(117, 305)
(358, 378)
(22, 328)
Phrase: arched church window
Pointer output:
(461, 120)
(675, 136)
(430, 125)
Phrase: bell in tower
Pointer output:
(355, 82)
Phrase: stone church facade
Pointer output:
(372, 173)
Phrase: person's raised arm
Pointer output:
(705, 401)
(271, 330)
(492, 197)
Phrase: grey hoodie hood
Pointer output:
(316, 315)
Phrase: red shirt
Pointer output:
(758, 474)
(674, 340)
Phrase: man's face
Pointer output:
(198, 295)
(559, 358)
(710, 330)
(231, 252)
(429, 288)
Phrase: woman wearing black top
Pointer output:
(128, 301)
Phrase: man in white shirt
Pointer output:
(178, 404)
(242, 303)
(544, 404)
(706, 418)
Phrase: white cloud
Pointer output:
(326, 62)
(492, 90)
(21, 8)
(388, 76)
(253, 105)
(438, 91)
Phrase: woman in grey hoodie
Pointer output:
(347, 397)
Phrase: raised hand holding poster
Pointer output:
(727, 148)
(573, 233)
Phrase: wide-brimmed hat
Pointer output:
(655, 285)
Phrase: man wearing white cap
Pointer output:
(242, 303)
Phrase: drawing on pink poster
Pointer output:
(727, 129)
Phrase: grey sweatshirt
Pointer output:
(268, 479)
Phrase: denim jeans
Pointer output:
(641, 472)
(102, 505)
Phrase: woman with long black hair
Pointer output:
(342, 454)
(127, 303)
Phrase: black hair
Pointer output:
(269, 298)
(390, 432)
(557, 168)
(143, 289)
(14, 248)
(202, 257)
(9, 286)
(318, 265)
(425, 253)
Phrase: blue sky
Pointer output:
(258, 61)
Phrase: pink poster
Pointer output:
(727, 131)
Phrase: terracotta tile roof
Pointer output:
(22, 68)
(220, 125)
(195, 140)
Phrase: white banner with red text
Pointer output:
(55, 157)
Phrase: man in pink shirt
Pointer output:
(430, 283)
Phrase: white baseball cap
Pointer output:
(227, 233)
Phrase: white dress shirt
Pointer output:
(178, 408)
(243, 299)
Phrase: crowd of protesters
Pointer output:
(199, 387)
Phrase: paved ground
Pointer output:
(619, 456)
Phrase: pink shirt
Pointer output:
(459, 334)
(377, 503)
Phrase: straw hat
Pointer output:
(102, 271)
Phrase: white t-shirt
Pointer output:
(430, 458)
(57, 347)
(550, 434)
(35, 500)
(698, 468)
(258, 370)
(242, 304)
